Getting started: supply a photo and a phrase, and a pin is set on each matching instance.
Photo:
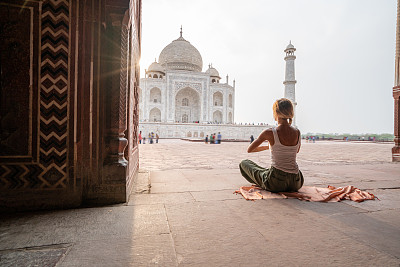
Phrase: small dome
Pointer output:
(290, 47)
(156, 67)
(213, 72)
(181, 55)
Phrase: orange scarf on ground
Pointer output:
(309, 193)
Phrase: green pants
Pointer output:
(272, 179)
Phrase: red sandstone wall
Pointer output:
(66, 104)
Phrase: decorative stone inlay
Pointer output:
(180, 85)
(49, 169)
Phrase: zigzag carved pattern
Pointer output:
(20, 176)
(51, 172)
(54, 92)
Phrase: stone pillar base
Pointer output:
(396, 154)
(112, 189)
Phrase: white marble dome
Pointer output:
(181, 55)
(213, 72)
(156, 67)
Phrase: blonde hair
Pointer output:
(283, 108)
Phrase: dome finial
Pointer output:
(181, 30)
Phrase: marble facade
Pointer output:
(175, 90)
(199, 131)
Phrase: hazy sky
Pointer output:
(345, 55)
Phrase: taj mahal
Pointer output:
(178, 100)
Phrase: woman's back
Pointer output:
(288, 135)
(284, 149)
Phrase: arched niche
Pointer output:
(155, 115)
(217, 99)
(187, 105)
(230, 100)
(230, 117)
(155, 95)
(185, 118)
(217, 116)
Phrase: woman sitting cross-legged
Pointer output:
(284, 174)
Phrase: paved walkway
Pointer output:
(190, 216)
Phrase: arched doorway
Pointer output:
(185, 118)
(217, 116)
(218, 99)
(187, 105)
(155, 95)
(155, 115)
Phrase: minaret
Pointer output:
(290, 81)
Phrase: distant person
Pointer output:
(206, 139)
(285, 140)
(251, 139)
(140, 137)
(219, 138)
(211, 139)
(157, 137)
(313, 139)
(144, 140)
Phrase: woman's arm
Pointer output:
(255, 146)
(258, 149)
(298, 150)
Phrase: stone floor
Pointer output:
(190, 217)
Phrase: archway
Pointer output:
(155, 95)
(217, 116)
(185, 118)
(155, 115)
(187, 105)
(217, 99)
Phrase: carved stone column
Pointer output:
(116, 134)
(115, 168)
(396, 93)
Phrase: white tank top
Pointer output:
(284, 157)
